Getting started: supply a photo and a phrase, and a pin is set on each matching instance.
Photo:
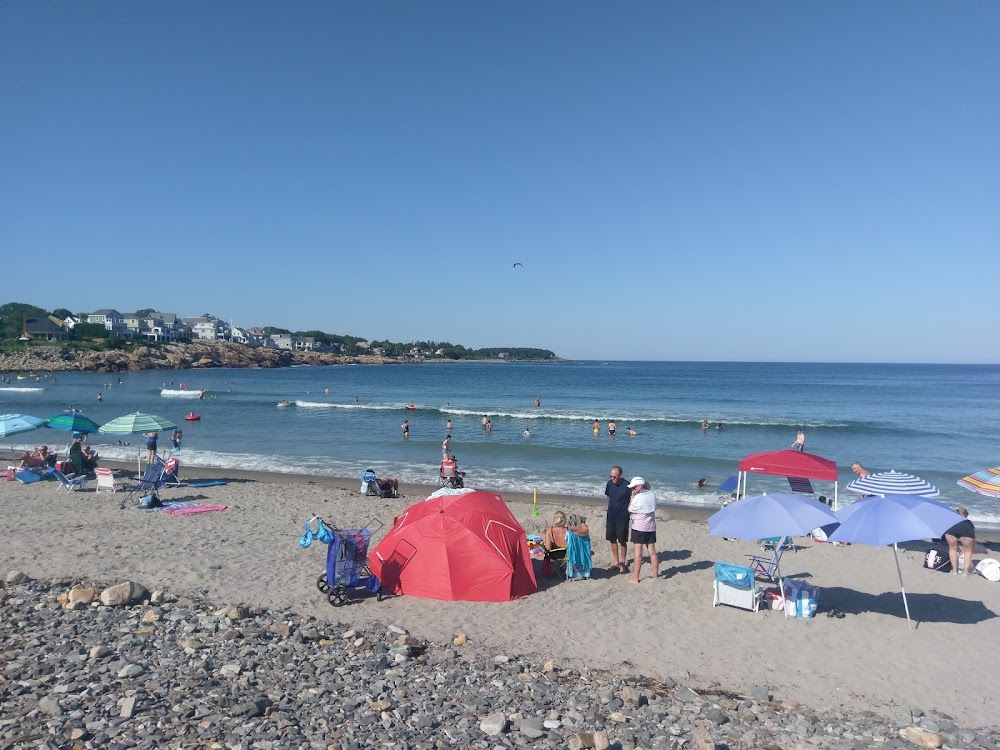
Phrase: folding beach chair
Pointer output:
(70, 483)
(152, 479)
(171, 470)
(766, 567)
(106, 480)
(735, 585)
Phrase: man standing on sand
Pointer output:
(618, 495)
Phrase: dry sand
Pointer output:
(250, 554)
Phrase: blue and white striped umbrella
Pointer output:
(137, 422)
(893, 483)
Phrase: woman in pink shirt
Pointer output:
(642, 509)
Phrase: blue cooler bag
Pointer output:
(801, 598)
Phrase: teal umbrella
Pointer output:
(15, 424)
(73, 423)
(137, 422)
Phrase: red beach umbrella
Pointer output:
(466, 547)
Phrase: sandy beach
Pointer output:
(249, 554)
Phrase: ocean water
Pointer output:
(940, 422)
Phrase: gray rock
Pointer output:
(494, 725)
(532, 728)
(16, 577)
(50, 707)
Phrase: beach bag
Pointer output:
(801, 598)
(150, 501)
(989, 569)
(772, 599)
(937, 560)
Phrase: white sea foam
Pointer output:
(179, 393)
(362, 407)
(19, 390)
(626, 417)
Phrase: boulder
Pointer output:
(122, 594)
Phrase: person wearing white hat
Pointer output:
(642, 508)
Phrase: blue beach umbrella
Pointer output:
(73, 423)
(15, 424)
(770, 515)
(881, 521)
(137, 422)
(893, 483)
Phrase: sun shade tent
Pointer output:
(466, 547)
(788, 463)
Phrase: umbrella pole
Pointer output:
(899, 572)
(781, 585)
(835, 496)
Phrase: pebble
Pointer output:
(240, 678)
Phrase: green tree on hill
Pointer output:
(12, 317)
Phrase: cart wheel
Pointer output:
(337, 596)
(322, 584)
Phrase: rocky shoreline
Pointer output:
(82, 667)
(195, 355)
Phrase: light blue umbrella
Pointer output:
(137, 422)
(770, 515)
(880, 521)
(893, 483)
(15, 424)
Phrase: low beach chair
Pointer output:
(735, 585)
(768, 568)
(71, 482)
(106, 480)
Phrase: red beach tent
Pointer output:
(466, 547)
(788, 463)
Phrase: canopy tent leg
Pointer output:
(899, 572)
(835, 497)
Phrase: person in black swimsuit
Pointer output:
(151, 446)
(964, 532)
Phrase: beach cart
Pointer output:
(346, 560)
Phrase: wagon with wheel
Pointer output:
(346, 561)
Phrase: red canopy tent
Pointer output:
(465, 547)
(788, 463)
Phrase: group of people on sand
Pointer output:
(631, 518)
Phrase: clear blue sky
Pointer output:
(748, 181)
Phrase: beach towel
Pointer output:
(27, 476)
(578, 561)
(210, 483)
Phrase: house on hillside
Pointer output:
(244, 336)
(208, 329)
(47, 329)
(112, 320)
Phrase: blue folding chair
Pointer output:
(768, 567)
(69, 483)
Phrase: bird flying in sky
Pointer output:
(519, 264)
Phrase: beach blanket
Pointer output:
(180, 508)
(210, 483)
(192, 509)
